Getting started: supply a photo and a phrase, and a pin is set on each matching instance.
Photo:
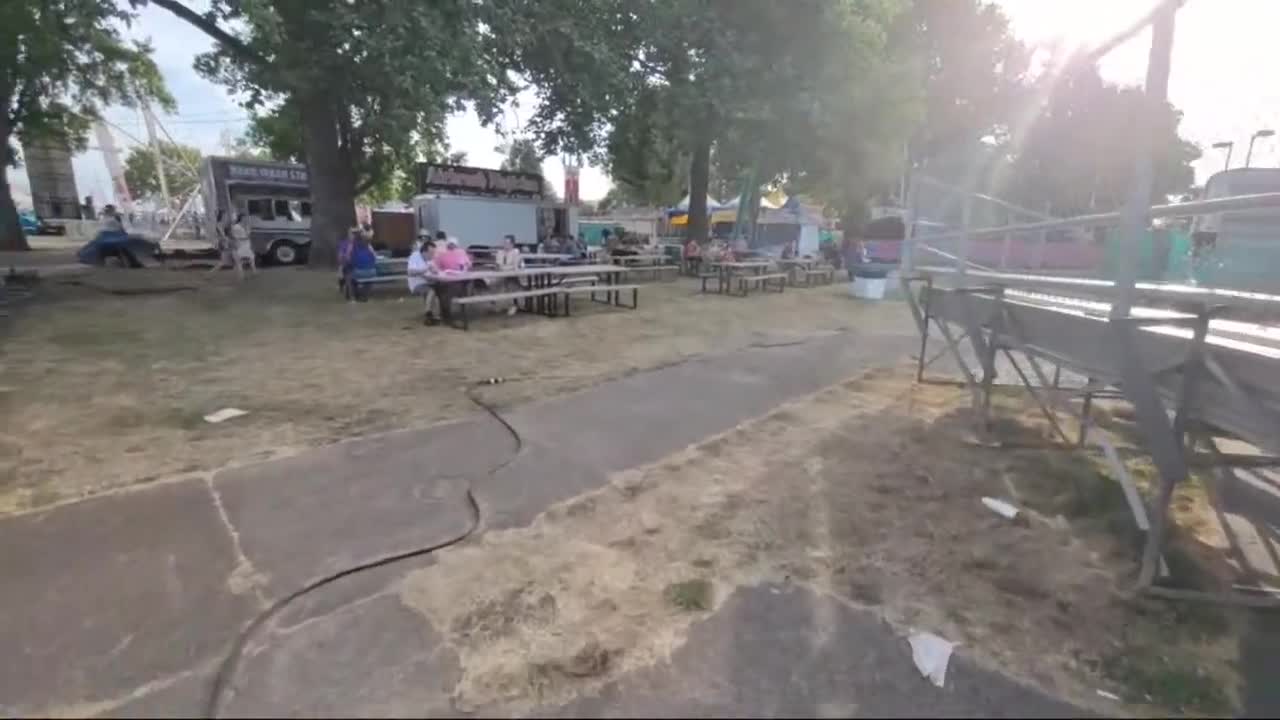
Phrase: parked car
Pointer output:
(33, 225)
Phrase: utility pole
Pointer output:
(154, 141)
(1137, 211)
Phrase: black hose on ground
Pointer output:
(230, 663)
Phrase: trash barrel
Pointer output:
(868, 283)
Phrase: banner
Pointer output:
(463, 180)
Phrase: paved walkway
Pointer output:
(124, 604)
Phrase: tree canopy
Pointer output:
(60, 62)
(1077, 152)
(369, 84)
(180, 168)
(774, 87)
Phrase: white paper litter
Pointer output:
(1001, 508)
(1109, 696)
(224, 414)
(931, 654)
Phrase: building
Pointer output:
(53, 182)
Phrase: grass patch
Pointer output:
(1173, 683)
(689, 595)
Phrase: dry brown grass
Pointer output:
(868, 491)
(100, 391)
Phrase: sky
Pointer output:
(1220, 50)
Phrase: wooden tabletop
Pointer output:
(525, 272)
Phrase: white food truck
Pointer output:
(274, 197)
(479, 206)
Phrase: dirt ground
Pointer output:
(101, 391)
(869, 492)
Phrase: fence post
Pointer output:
(908, 255)
(1008, 241)
(966, 220)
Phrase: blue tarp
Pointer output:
(130, 249)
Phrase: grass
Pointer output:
(690, 595)
(1152, 678)
(104, 390)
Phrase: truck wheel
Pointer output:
(284, 252)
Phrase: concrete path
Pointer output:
(125, 604)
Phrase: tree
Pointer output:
(522, 156)
(771, 86)
(367, 82)
(974, 77)
(1077, 151)
(644, 154)
(60, 62)
(180, 168)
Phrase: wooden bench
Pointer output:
(370, 281)
(762, 281)
(826, 275)
(462, 303)
(656, 269)
(612, 294)
(704, 277)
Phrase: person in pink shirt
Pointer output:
(453, 259)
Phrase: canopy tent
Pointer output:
(679, 213)
(729, 211)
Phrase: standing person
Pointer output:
(508, 258)
(421, 268)
(345, 246)
(222, 239)
(855, 254)
(241, 249)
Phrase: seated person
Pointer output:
(421, 267)
(454, 258)
(363, 263)
(692, 257)
(551, 246)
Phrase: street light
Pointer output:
(1260, 134)
(1228, 145)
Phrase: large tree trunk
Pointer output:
(699, 177)
(11, 235)
(333, 193)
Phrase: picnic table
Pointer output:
(639, 259)
(546, 258)
(724, 272)
(809, 267)
(533, 280)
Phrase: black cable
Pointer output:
(230, 663)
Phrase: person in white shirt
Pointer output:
(241, 248)
(508, 258)
(421, 268)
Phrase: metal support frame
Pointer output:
(1110, 354)
(1167, 440)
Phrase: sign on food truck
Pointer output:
(463, 180)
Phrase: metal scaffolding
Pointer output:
(1179, 354)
